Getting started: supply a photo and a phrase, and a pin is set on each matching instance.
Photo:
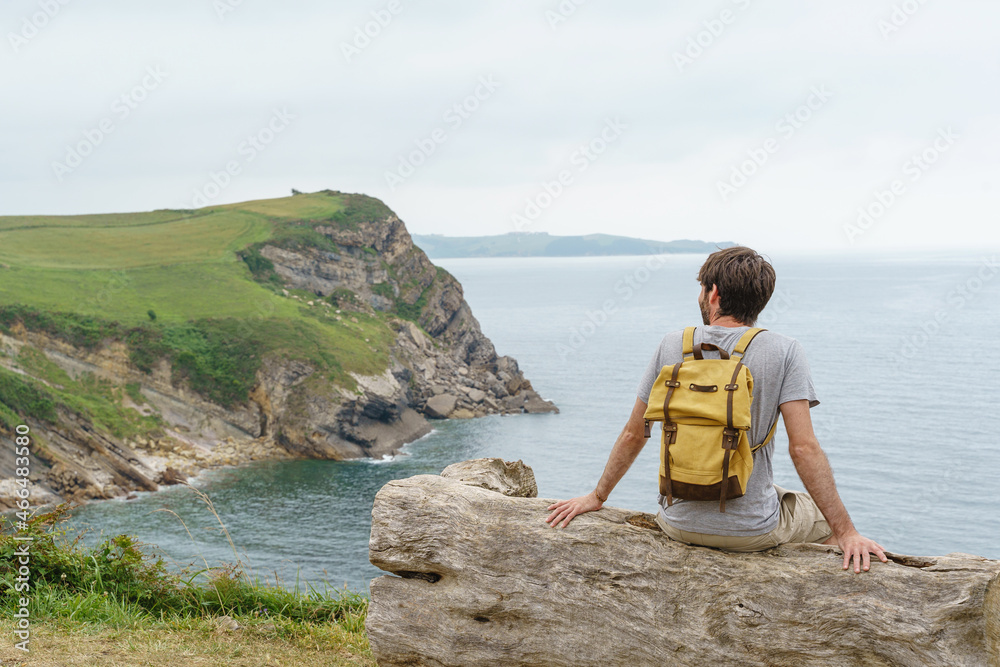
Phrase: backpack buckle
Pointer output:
(672, 383)
(732, 387)
(730, 438)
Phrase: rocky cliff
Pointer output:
(358, 263)
(477, 578)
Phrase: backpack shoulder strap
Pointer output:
(744, 342)
(770, 434)
(738, 352)
(689, 342)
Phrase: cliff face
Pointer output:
(440, 365)
(400, 273)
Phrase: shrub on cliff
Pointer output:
(19, 396)
(359, 209)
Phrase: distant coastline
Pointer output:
(541, 244)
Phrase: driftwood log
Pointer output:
(478, 578)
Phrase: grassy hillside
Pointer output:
(181, 264)
(187, 285)
(541, 244)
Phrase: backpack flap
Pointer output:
(704, 393)
(701, 392)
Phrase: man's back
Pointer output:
(735, 285)
(781, 373)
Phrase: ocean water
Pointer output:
(903, 355)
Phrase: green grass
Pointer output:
(219, 309)
(343, 298)
(177, 293)
(383, 290)
(295, 236)
(117, 588)
(314, 206)
(88, 280)
(357, 209)
(133, 391)
(66, 576)
(9, 419)
(217, 357)
(203, 237)
(182, 268)
(20, 395)
(98, 399)
(183, 265)
(9, 222)
(411, 311)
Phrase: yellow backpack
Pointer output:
(704, 405)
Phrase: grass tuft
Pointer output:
(116, 589)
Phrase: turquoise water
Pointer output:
(903, 357)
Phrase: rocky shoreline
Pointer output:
(441, 366)
(79, 463)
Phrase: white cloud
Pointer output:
(686, 129)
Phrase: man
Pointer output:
(736, 284)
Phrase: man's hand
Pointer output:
(565, 510)
(857, 547)
(628, 445)
(814, 471)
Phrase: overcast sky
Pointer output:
(767, 123)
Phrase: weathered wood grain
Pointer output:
(480, 579)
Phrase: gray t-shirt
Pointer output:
(780, 374)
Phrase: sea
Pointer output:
(903, 353)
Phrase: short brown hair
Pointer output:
(745, 281)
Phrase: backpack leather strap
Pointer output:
(730, 436)
(745, 340)
(669, 434)
(738, 352)
(770, 434)
(700, 347)
(688, 349)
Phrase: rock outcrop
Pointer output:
(443, 353)
(478, 578)
(440, 366)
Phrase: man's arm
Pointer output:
(814, 470)
(628, 445)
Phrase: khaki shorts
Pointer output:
(801, 521)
